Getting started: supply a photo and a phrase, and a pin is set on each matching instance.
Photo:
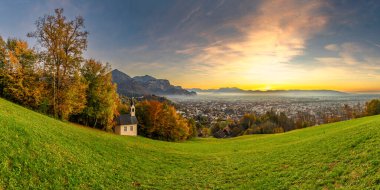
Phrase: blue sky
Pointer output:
(215, 43)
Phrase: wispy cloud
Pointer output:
(377, 45)
(332, 47)
(269, 39)
(188, 16)
(355, 64)
(351, 54)
(221, 2)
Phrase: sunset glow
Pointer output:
(258, 45)
(189, 94)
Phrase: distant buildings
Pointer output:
(320, 109)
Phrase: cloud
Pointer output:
(356, 62)
(187, 51)
(267, 44)
(268, 39)
(351, 54)
(332, 47)
(188, 16)
(377, 45)
(221, 2)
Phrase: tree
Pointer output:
(62, 43)
(286, 123)
(161, 121)
(2, 64)
(348, 112)
(373, 107)
(101, 96)
(205, 132)
(193, 130)
(19, 74)
(248, 120)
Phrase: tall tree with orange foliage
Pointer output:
(62, 43)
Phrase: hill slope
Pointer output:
(39, 152)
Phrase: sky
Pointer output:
(250, 44)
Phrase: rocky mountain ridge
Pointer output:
(145, 85)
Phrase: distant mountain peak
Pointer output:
(144, 78)
(273, 92)
(230, 89)
(145, 85)
(119, 73)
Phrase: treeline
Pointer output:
(57, 80)
(272, 122)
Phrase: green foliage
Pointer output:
(272, 122)
(73, 96)
(192, 128)
(101, 96)
(38, 152)
(248, 121)
(373, 107)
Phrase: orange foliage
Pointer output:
(161, 121)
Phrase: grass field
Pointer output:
(40, 152)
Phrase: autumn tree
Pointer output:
(373, 107)
(2, 64)
(348, 112)
(62, 43)
(193, 131)
(101, 96)
(161, 121)
(20, 75)
(248, 120)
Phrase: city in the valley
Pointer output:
(210, 108)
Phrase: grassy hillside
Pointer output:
(40, 152)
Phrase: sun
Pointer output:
(267, 87)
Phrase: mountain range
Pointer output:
(145, 85)
(148, 85)
(271, 92)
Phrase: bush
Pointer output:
(373, 107)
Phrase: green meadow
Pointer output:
(37, 151)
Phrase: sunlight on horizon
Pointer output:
(284, 44)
